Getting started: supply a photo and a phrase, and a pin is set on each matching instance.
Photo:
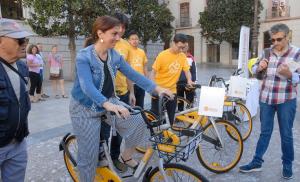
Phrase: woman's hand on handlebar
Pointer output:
(190, 83)
(119, 110)
(163, 91)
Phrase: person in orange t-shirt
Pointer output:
(166, 71)
(138, 61)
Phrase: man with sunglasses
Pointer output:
(166, 71)
(14, 101)
(278, 94)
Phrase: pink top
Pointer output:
(35, 60)
(55, 60)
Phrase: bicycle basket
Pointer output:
(177, 144)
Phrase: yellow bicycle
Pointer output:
(221, 146)
(167, 145)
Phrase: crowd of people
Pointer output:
(36, 62)
(112, 75)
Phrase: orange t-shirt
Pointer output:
(123, 48)
(137, 59)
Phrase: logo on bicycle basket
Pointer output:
(206, 108)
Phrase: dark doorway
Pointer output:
(11, 9)
(213, 53)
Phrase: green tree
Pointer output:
(222, 19)
(70, 18)
(151, 19)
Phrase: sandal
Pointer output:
(125, 162)
(64, 96)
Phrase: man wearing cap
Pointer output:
(14, 101)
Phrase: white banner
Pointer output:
(244, 50)
(211, 101)
(238, 87)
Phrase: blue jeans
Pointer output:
(13, 162)
(286, 115)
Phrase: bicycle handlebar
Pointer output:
(193, 87)
(133, 110)
(214, 78)
(237, 72)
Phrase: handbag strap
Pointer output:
(14, 69)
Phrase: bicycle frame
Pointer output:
(196, 123)
(142, 165)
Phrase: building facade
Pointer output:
(186, 13)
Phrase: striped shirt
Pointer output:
(277, 89)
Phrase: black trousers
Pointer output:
(139, 94)
(115, 140)
(171, 106)
(35, 83)
(182, 92)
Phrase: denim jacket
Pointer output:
(89, 78)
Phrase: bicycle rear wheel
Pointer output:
(215, 157)
(241, 118)
(175, 172)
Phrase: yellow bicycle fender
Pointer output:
(174, 137)
(103, 174)
(166, 148)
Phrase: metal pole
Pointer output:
(255, 30)
(0, 11)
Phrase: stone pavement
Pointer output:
(49, 121)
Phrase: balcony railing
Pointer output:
(278, 12)
(184, 22)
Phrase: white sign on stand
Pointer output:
(211, 101)
(238, 87)
(244, 50)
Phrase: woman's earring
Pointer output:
(101, 40)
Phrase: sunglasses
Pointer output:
(278, 39)
(21, 41)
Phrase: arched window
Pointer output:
(11, 9)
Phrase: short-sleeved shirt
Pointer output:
(35, 60)
(123, 48)
(276, 89)
(137, 60)
(55, 60)
(168, 67)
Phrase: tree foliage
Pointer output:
(75, 17)
(151, 19)
(70, 18)
(65, 17)
(222, 19)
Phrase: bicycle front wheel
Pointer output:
(217, 157)
(70, 156)
(175, 172)
(241, 118)
(103, 174)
